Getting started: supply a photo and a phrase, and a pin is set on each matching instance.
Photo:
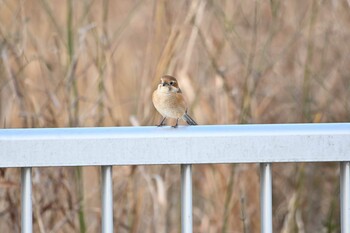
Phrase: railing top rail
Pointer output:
(184, 145)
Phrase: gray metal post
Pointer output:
(266, 197)
(26, 196)
(345, 196)
(107, 199)
(186, 198)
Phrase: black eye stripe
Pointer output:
(167, 82)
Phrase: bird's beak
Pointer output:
(164, 84)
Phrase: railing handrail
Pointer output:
(264, 144)
(184, 145)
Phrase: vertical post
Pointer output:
(26, 196)
(186, 198)
(345, 196)
(107, 199)
(266, 197)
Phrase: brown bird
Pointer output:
(169, 101)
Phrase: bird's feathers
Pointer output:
(188, 119)
(169, 100)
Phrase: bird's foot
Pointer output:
(177, 123)
(162, 123)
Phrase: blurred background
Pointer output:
(95, 63)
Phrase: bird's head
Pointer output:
(169, 84)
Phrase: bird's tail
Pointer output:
(188, 119)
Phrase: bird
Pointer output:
(170, 102)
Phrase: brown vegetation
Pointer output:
(95, 63)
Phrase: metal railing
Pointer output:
(263, 144)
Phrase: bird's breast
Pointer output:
(168, 105)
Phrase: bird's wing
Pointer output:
(181, 100)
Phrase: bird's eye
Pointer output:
(171, 83)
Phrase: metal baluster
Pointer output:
(266, 197)
(26, 196)
(345, 196)
(107, 199)
(186, 198)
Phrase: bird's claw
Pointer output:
(177, 123)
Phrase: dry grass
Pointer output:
(95, 63)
